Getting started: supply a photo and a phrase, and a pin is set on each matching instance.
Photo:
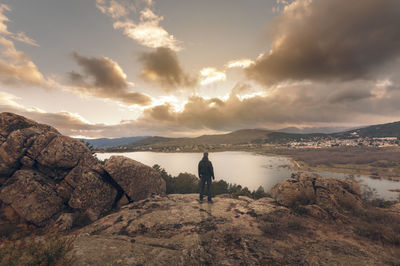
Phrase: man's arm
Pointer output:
(198, 169)
(212, 171)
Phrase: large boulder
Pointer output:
(62, 152)
(15, 146)
(323, 194)
(10, 122)
(90, 191)
(139, 181)
(32, 196)
(44, 174)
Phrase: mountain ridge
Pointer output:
(246, 136)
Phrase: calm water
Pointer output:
(247, 169)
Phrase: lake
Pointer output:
(244, 168)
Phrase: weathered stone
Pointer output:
(65, 221)
(62, 152)
(139, 181)
(122, 201)
(40, 143)
(49, 158)
(10, 122)
(14, 148)
(178, 230)
(90, 190)
(27, 162)
(330, 194)
(32, 196)
(64, 190)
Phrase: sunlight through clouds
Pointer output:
(242, 63)
(210, 75)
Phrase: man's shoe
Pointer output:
(210, 201)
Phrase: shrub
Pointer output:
(50, 249)
(377, 224)
(276, 226)
(186, 183)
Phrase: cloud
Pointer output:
(16, 68)
(298, 105)
(114, 9)
(20, 36)
(242, 63)
(345, 95)
(330, 40)
(240, 87)
(4, 19)
(147, 31)
(104, 78)
(303, 104)
(162, 66)
(210, 75)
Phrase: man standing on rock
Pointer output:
(206, 172)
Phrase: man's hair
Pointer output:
(205, 154)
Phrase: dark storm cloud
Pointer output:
(102, 77)
(330, 40)
(346, 95)
(358, 102)
(162, 66)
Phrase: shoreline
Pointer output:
(300, 165)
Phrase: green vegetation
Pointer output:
(49, 249)
(186, 183)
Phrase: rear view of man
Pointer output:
(206, 172)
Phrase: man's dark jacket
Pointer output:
(205, 168)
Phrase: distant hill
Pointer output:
(149, 141)
(312, 130)
(236, 137)
(246, 136)
(383, 130)
(108, 143)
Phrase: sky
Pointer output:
(119, 68)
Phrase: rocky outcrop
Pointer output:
(178, 230)
(136, 179)
(44, 174)
(32, 196)
(321, 197)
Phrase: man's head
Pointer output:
(205, 155)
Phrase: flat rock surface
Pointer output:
(178, 230)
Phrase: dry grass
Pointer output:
(277, 226)
(49, 249)
(377, 224)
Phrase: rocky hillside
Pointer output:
(312, 222)
(45, 176)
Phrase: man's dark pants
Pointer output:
(204, 181)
